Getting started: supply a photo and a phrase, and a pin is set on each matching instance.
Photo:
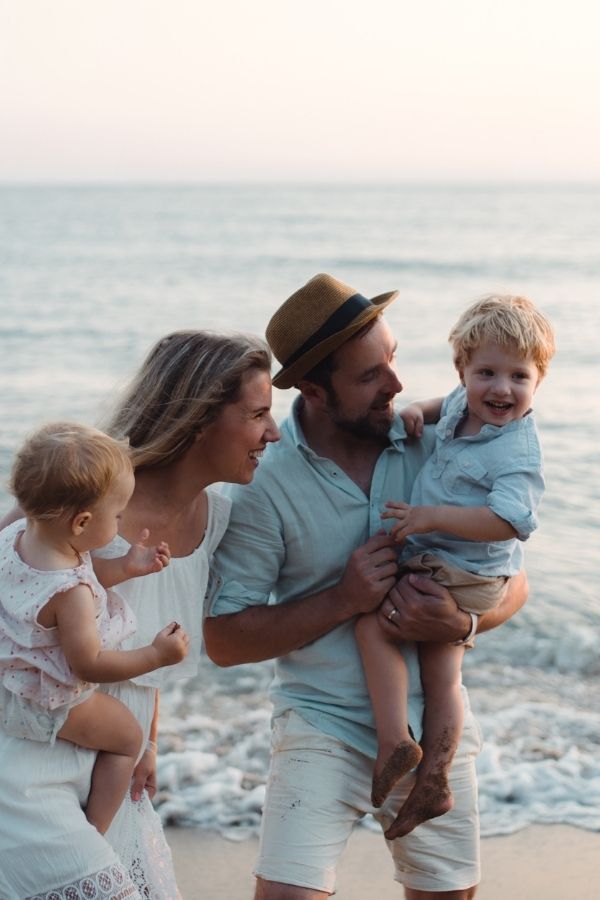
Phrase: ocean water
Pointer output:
(90, 277)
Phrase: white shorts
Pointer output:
(319, 788)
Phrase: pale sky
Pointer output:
(315, 90)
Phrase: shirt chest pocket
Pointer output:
(468, 478)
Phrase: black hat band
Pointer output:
(336, 322)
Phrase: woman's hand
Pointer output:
(144, 775)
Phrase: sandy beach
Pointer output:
(539, 863)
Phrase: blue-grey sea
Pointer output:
(91, 276)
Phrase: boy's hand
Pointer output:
(413, 419)
(411, 519)
(142, 560)
(171, 644)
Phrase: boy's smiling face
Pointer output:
(500, 385)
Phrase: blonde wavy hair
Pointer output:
(65, 467)
(510, 321)
(182, 386)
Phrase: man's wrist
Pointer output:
(470, 630)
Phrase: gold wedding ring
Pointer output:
(392, 614)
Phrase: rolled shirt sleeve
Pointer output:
(248, 560)
(515, 498)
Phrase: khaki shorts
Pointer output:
(473, 593)
(317, 791)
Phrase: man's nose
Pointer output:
(395, 385)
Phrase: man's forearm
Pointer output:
(515, 597)
(265, 632)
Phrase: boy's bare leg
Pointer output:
(443, 720)
(105, 724)
(387, 680)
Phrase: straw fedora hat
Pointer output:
(315, 321)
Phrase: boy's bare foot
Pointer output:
(427, 800)
(404, 757)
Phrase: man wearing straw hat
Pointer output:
(303, 556)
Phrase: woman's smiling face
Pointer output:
(232, 445)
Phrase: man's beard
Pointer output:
(363, 427)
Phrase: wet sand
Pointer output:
(554, 862)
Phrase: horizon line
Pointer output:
(298, 182)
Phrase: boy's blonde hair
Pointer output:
(66, 468)
(512, 322)
(183, 385)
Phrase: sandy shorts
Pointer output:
(26, 719)
(319, 788)
(473, 593)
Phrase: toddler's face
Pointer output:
(500, 385)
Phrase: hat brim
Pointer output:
(288, 376)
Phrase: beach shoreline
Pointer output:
(541, 862)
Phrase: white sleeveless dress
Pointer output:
(48, 850)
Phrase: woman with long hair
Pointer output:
(197, 413)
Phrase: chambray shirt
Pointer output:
(501, 467)
(290, 535)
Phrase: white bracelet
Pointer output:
(151, 746)
(472, 631)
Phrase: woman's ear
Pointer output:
(80, 522)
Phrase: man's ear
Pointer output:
(80, 522)
(313, 393)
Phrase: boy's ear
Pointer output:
(461, 375)
(80, 522)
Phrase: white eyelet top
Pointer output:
(174, 594)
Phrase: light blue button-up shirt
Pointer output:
(500, 467)
(290, 535)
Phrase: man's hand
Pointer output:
(426, 611)
(369, 575)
